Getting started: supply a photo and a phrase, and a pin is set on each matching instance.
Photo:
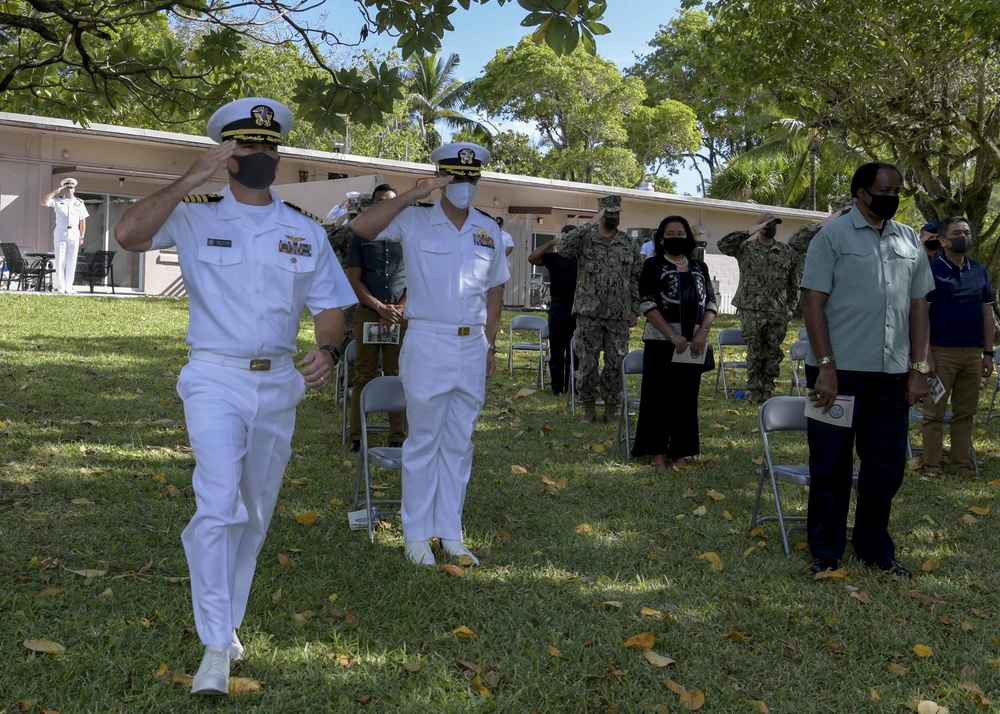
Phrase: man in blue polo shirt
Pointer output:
(961, 316)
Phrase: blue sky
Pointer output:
(482, 30)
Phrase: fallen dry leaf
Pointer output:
(980, 510)
(471, 666)
(243, 685)
(414, 666)
(464, 633)
(923, 650)
(453, 570)
(88, 573)
(930, 564)
(727, 515)
(715, 495)
(554, 651)
(862, 596)
(642, 641)
(477, 682)
(526, 392)
(736, 636)
(599, 448)
(969, 519)
(466, 560)
(518, 469)
(285, 561)
(609, 603)
(700, 511)
(650, 612)
(927, 706)
(656, 659)
(44, 646)
(584, 528)
(82, 502)
(898, 668)
(307, 518)
(966, 626)
(713, 559)
(838, 574)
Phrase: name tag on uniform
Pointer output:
(295, 246)
(482, 238)
(219, 243)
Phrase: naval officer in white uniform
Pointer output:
(67, 237)
(250, 263)
(455, 271)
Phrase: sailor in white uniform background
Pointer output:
(67, 236)
(455, 271)
(250, 263)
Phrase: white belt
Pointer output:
(444, 328)
(254, 364)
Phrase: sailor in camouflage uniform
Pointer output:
(765, 299)
(606, 303)
(340, 237)
(801, 238)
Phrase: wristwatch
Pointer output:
(492, 348)
(921, 367)
(825, 360)
(334, 352)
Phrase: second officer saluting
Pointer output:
(455, 271)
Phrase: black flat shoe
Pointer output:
(893, 567)
(355, 447)
(821, 564)
(396, 444)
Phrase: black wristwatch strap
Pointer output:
(333, 351)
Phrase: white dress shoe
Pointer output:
(213, 674)
(456, 548)
(235, 649)
(420, 553)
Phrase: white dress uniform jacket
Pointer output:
(248, 283)
(443, 359)
(66, 239)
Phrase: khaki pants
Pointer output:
(960, 370)
(366, 369)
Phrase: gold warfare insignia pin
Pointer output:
(466, 156)
(262, 114)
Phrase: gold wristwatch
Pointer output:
(921, 367)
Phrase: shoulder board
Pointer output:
(422, 204)
(486, 214)
(304, 212)
(202, 198)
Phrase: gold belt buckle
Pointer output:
(464, 331)
(260, 365)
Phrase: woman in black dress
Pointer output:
(679, 304)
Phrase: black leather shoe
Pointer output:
(396, 444)
(821, 564)
(893, 567)
(355, 446)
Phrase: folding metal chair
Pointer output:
(803, 335)
(382, 394)
(528, 324)
(346, 374)
(996, 385)
(731, 336)
(574, 373)
(546, 381)
(631, 364)
(917, 417)
(781, 414)
(797, 359)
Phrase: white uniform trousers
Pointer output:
(240, 425)
(66, 247)
(444, 379)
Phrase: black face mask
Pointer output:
(769, 232)
(675, 246)
(884, 207)
(960, 244)
(611, 222)
(257, 170)
(932, 244)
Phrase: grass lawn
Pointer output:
(582, 550)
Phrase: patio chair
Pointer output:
(382, 394)
(632, 364)
(97, 267)
(24, 270)
(732, 336)
(532, 325)
(780, 414)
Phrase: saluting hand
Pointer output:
(208, 163)
(426, 187)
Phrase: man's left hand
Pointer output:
(491, 363)
(916, 387)
(318, 369)
(987, 366)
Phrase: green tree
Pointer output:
(511, 152)
(580, 105)
(78, 60)
(683, 66)
(435, 94)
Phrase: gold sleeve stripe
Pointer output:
(202, 198)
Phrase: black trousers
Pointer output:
(879, 433)
(668, 405)
(562, 324)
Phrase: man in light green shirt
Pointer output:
(864, 301)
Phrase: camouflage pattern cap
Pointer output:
(767, 217)
(610, 204)
(842, 203)
(365, 202)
